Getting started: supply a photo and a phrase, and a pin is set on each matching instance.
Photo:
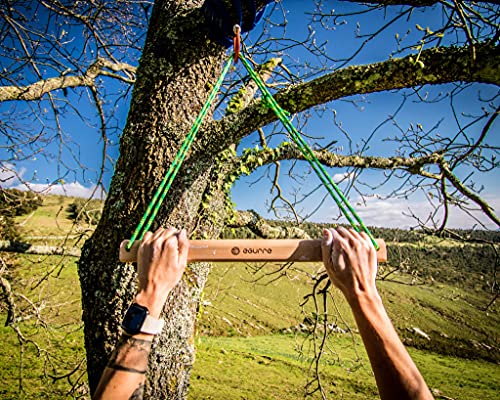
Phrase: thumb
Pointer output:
(326, 246)
(183, 247)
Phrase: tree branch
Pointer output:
(413, 3)
(435, 66)
(8, 296)
(35, 91)
(253, 159)
(258, 225)
(246, 94)
(26, 248)
(445, 169)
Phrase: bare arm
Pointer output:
(160, 264)
(351, 262)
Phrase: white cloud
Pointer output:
(396, 213)
(73, 189)
(9, 176)
(341, 176)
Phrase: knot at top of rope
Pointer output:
(221, 20)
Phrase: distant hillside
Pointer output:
(438, 293)
(315, 229)
(470, 263)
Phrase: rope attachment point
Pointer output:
(236, 42)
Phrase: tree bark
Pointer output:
(177, 67)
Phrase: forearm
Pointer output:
(125, 373)
(161, 260)
(396, 375)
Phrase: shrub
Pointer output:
(13, 203)
(86, 211)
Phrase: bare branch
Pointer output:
(37, 90)
(445, 168)
(434, 66)
(258, 225)
(26, 248)
(413, 3)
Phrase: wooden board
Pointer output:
(233, 250)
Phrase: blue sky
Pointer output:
(358, 119)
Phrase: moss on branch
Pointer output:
(435, 66)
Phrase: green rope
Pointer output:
(158, 198)
(309, 155)
(161, 193)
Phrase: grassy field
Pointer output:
(268, 367)
(252, 340)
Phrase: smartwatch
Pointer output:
(137, 320)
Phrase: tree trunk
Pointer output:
(177, 68)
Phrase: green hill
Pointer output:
(254, 335)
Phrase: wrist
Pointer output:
(144, 337)
(138, 320)
(152, 301)
(365, 303)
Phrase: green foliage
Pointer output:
(86, 211)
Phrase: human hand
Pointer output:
(351, 262)
(161, 260)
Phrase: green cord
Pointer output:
(308, 154)
(161, 193)
(158, 198)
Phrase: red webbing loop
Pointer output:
(236, 43)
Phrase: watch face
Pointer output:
(134, 318)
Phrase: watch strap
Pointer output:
(152, 326)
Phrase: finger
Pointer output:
(171, 231)
(163, 235)
(355, 233)
(366, 238)
(340, 238)
(147, 237)
(171, 250)
(340, 245)
(145, 241)
(183, 247)
(346, 234)
(158, 233)
(372, 252)
(326, 246)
